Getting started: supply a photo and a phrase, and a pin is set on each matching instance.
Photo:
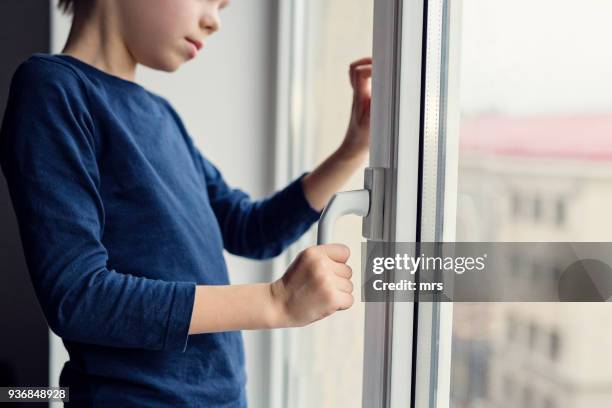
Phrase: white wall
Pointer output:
(226, 99)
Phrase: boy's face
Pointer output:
(163, 34)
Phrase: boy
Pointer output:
(123, 220)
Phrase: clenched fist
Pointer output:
(316, 284)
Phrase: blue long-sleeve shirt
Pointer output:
(120, 216)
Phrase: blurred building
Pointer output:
(540, 178)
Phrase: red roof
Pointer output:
(585, 137)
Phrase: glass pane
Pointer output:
(535, 164)
(326, 358)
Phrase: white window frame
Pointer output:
(289, 163)
(415, 119)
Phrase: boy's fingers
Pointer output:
(344, 285)
(343, 270)
(363, 74)
(360, 75)
(362, 61)
(366, 60)
(364, 71)
(337, 252)
(346, 301)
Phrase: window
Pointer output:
(537, 208)
(533, 336)
(511, 329)
(560, 210)
(516, 205)
(527, 116)
(554, 345)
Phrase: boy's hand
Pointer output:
(315, 285)
(357, 139)
(329, 177)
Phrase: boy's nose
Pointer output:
(211, 23)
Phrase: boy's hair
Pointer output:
(67, 6)
(70, 6)
(74, 6)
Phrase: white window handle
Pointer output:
(346, 202)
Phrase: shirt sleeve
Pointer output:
(47, 154)
(258, 229)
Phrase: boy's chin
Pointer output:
(167, 64)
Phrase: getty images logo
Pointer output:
(410, 264)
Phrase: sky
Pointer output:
(530, 57)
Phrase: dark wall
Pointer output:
(24, 340)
